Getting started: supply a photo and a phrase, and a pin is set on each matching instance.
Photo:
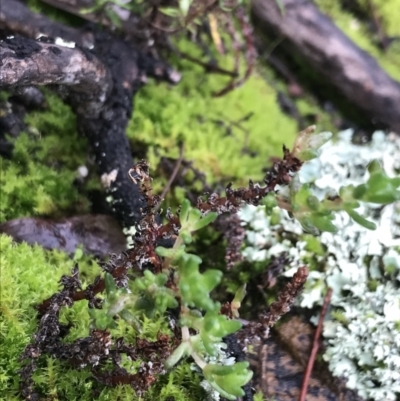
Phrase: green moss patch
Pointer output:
(39, 179)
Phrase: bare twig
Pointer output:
(173, 175)
(315, 347)
(209, 67)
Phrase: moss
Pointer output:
(29, 275)
(39, 178)
(190, 113)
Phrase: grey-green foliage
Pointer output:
(361, 266)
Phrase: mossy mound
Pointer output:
(39, 178)
(29, 275)
(220, 146)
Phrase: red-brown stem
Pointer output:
(315, 347)
(173, 175)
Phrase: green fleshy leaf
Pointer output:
(182, 350)
(313, 202)
(214, 328)
(195, 286)
(359, 191)
(361, 220)
(110, 284)
(205, 221)
(323, 223)
(228, 380)
(184, 213)
(170, 252)
(186, 236)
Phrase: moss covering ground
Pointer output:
(29, 275)
(39, 178)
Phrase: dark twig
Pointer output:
(315, 346)
(209, 67)
(250, 53)
(173, 175)
(234, 233)
(285, 301)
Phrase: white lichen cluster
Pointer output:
(362, 267)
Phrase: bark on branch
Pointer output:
(26, 62)
(329, 51)
(16, 17)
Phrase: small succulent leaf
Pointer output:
(307, 225)
(194, 215)
(307, 154)
(170, 252)
(323, 223)
(313, 202)
(228, 380)
(160, 279)
(181, 351)
(361, 220)
(186, 236)
(184, 213)
(110, 284)
(131, 319)
(150, 276)
(101, 320)
(301, 196)
(205, 221)
(239, 295)
(195, 286)
(146, 305)
(384, 195)
(214, 328)
(270, 203)
(375, 167)
(307, 143)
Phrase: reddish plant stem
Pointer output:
(315, 347)
(172, 178)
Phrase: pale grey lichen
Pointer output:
(362, 267)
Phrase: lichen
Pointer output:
(361, 266)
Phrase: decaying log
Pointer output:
(312, 35)
(17, 18)
(99, 84)
(100, 235)
(27, 62)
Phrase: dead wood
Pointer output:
(28, 62)
(99, 84)
(306, 32)
(100, 235)
(279, 361)
(17, 18)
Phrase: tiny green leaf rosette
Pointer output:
(228, 380)
(379, 188)
(191, 220)
(215, 327)
(195, 287)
